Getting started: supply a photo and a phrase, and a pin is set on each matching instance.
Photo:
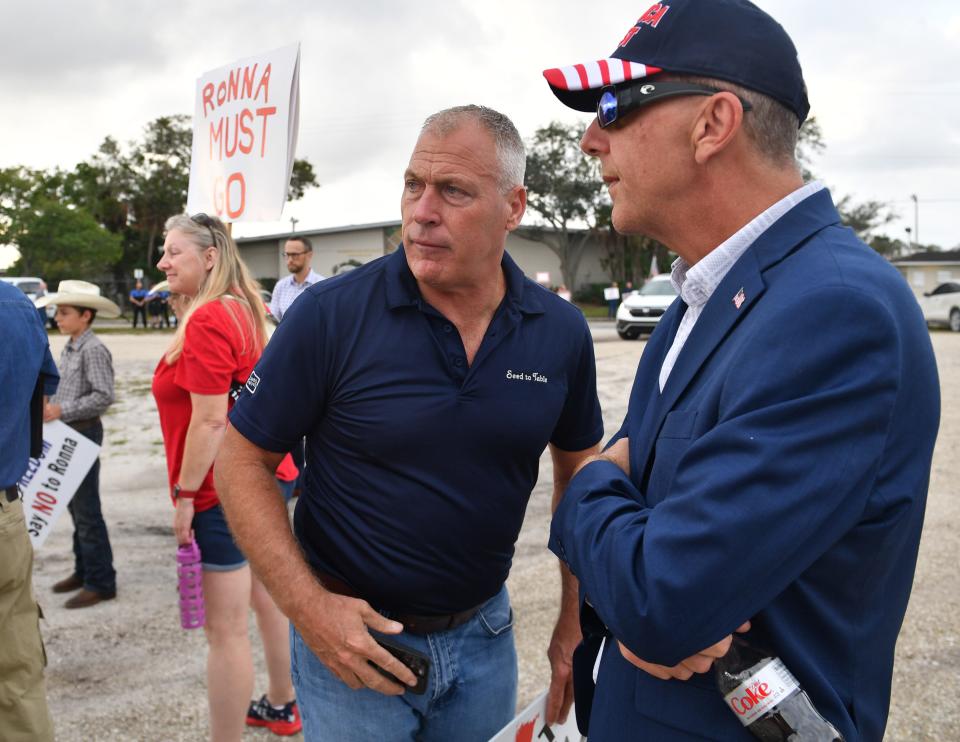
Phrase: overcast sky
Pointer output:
(882, 76)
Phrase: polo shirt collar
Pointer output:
(402, 289)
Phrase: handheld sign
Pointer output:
(529, 726)
(611, 293)
(245, 126)
(51, 481)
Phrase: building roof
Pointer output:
(930, 257)
(312, 232)
(522, 229)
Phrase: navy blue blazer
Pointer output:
(780, 477)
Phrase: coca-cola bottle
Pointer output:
(767, 699)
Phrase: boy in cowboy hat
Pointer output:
(85, 393)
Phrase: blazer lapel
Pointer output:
(642, 432)
(733, 299)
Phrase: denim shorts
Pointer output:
(218, 551)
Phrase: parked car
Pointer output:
(34, 288)
(942, 306)
(640, 311)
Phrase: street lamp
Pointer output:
(293, 224)
(916, 220)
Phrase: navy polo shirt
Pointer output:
(419, 467)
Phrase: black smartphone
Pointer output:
(418, 663)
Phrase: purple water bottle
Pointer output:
(190, 578)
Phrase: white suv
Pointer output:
(942, 306)
(640, 311)
(34, 288)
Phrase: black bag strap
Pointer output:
(36, 420)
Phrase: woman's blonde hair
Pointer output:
(228, 279)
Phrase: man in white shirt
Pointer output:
(298, 252)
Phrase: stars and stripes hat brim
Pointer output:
(731, 40)
(578, 85)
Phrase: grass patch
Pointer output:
(593, 311)
(107, 330)
(119, 442)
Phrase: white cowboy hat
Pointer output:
(81, 294)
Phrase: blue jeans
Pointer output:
(92, 555)
(471, 693)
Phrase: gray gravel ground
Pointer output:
(124, 670)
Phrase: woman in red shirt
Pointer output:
(215, 347)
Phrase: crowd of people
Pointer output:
(784, 412)
(154, 303)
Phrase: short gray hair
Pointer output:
(510, 150)
(771, 126)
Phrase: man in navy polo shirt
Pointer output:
(427, 383)
(772, 469)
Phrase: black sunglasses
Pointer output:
(205, 221)
(616, 102)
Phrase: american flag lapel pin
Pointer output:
(739, 298)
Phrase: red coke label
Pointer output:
(763, 690)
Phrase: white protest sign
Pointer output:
(245, 126)
(529, 726)
(611, 294)
(543, 278)
(51, 481)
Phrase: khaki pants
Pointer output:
(23, 701)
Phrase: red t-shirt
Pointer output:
(216, 352)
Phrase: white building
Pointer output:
(341, 248)
(925, 271)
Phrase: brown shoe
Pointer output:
(68, 585)
(86, 598)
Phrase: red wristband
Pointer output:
(179, 492)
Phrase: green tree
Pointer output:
(564, 188)
(58, 242)
(132, 191)
(863, 217)
(809, 144)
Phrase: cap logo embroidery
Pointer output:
(651, 18)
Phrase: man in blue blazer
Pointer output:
(773, 466)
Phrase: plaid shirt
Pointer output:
(287, 290)
(86, 379)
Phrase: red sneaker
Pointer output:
(284, 722)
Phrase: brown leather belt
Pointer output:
(415, 624)
(12, 493)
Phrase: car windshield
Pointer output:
(657, 288)
(28, 287)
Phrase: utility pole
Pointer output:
(916, 220)
(294, 220)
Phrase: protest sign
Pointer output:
(611, 293)
(245, 126)
(51, 481)
(529, 726)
